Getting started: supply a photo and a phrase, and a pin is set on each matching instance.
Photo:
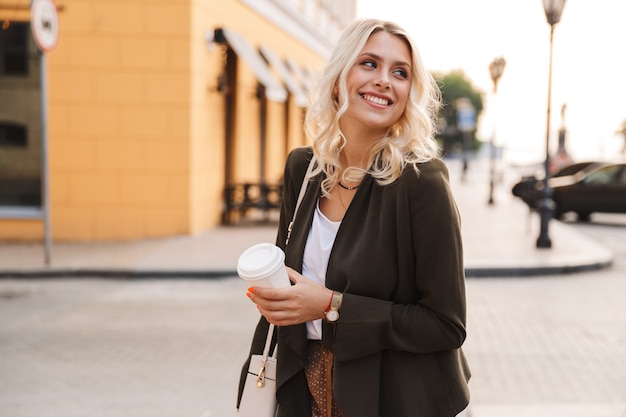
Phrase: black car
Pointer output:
(529, 189)
(599, 188)
(583, 188)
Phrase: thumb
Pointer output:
(293, 275)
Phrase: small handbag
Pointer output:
(259, 391)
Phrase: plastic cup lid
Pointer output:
(260, 261)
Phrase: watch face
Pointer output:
(332, 315)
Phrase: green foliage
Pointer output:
(455, 85)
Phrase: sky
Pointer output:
(588, 73)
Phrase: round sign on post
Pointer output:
(44, 23)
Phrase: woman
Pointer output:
(375, 319)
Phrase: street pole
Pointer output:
(495, 70)
(546, 205)
(466, 123)
(553, 10)
(467, 140)
(45, 29)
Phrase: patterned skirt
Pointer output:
(319, 377)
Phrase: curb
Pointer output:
(515, 272)
(476, 272)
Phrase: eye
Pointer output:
(369, 63)
(402, 73)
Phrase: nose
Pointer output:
(382, 80)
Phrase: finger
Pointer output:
(279, 318)
(258, 294)
(293, 275)
(253, 295)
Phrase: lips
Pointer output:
(376, 100)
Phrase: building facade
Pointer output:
(156, 110)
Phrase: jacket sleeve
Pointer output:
(433, 317)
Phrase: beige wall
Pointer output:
(136, 125)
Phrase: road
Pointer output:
(552, 345)
(609, 229)
(541, 346)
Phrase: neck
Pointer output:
(358, 144)
(355, 154)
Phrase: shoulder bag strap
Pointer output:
(305, 183)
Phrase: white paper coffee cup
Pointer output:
(263, 265)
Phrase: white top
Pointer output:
(316, 254)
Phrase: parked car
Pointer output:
(530, 188)
(598, 187)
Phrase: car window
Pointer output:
(605, 175)
(572, 169)
(622, 176)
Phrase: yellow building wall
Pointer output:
(136, 124)
(207, 132)
(119, 92)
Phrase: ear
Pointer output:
(335, 93)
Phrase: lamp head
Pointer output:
(496, 68)
(553, 10)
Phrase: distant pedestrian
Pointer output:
(374, 321)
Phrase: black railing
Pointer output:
(251, 201)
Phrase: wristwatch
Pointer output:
(332, 314)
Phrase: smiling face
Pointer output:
(378, 86)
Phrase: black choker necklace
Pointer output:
(348, 188)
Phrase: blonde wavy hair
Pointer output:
(409, 141)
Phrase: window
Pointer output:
(20, 126)
(20, 175)
(12, 135)
(605, 175)
(14, 49)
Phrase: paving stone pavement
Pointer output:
(121, 348)
(550, 346)
(538, 346)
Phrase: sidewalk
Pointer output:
(499, 240)
(541, 347)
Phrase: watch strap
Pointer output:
(332, 314)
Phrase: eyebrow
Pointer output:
(380, 58)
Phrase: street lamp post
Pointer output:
(495, 70)
(553, 10)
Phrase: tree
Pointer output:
(453, 86)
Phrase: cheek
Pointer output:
(403, 98)
(403, 94)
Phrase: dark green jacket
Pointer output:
(398, 260)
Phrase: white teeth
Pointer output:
(376, 100)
